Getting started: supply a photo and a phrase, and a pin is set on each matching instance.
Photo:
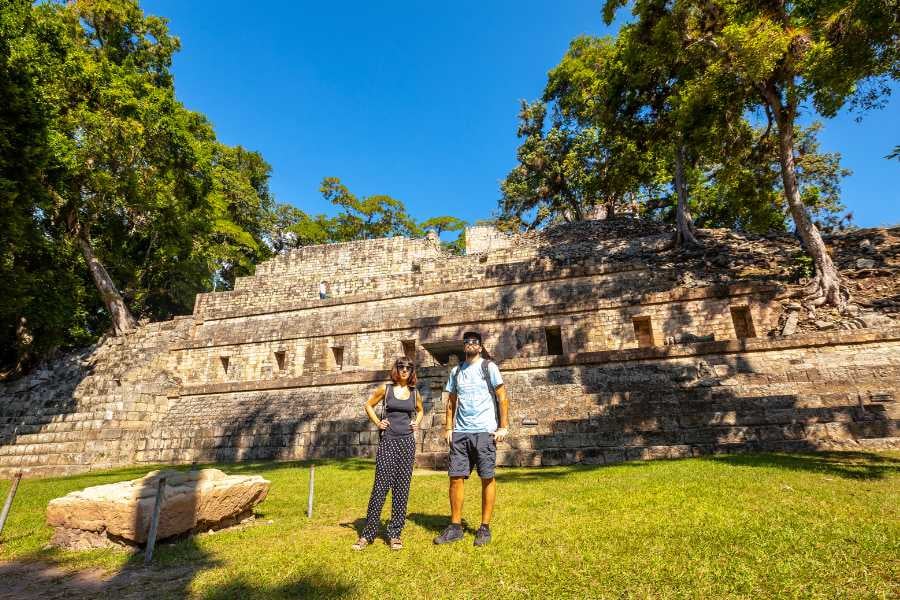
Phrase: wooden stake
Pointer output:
(312, 489)
(154, 521)
(9, 499)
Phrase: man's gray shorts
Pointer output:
(469, 450)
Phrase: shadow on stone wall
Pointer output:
(654, 411)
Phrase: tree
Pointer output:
(366, 218)
(629, 86)
(44, 301)
(290, 227)
(743, 191)
(789, 56)
(447, 223)
(110, 134)
(565, 169)
(441, 224)
(107, 181)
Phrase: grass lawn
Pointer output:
(821, 525)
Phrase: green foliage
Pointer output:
(441, 224)
(566, 169)
(366, 218)
(96, 149)
(358, 219)
(745, 191)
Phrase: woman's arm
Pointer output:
(372, 402)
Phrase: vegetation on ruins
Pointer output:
(685, 83)
(747, 525)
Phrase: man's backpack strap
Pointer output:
(486, 374)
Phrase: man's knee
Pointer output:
(486, 481)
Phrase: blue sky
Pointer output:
(418, 100)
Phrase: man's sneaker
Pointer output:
(482, 536)
(453, 533)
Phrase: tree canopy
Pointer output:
(692, 108)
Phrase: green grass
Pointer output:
(797, 526)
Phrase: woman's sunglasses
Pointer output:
(404, 367)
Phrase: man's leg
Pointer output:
(487, 461)
(488, 493)
(457, 489)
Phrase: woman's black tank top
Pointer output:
(399, 413)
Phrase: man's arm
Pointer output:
(503, 403)
(450, 417)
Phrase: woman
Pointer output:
(400, 417)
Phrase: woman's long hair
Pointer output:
(412, 380)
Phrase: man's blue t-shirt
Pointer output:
(475, 412)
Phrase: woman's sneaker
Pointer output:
(482, 536)
(453, 533)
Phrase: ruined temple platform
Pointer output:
(614, 346)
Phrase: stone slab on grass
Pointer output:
(120, 512)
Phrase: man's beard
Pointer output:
(472, 354)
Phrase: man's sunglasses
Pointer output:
(471, 341)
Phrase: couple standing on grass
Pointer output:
(477, 418)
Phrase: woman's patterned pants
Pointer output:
(393, 471)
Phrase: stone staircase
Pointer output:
(90, 409)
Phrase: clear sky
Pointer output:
(417, 99)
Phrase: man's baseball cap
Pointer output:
(472, 334)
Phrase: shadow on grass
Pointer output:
(356, 525)
(520, 474)
(303, 586)
(342, 464)
(434, 523)
(846, 464)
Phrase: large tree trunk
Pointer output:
(24, 341)
(122, 320)
(684, 224)
(826, 287)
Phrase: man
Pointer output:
(472, 433)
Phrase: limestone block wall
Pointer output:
(819, 391)
(350, 259)
(485, 239)
(374, 270)
(286, 292)
(369, 335)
